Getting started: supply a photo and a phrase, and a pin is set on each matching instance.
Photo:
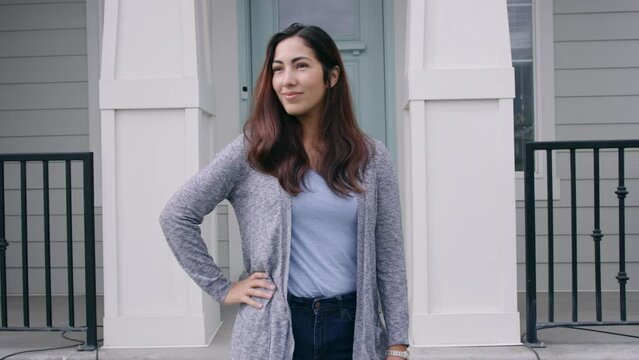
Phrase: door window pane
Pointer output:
(335, 16)
(521, 40)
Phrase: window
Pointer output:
(521, 41)
(336, 17)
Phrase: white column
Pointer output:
(457, 174)
(157, 109)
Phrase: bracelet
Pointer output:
(401, 354)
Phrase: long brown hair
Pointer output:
(275, 137)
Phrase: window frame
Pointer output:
(544, 96)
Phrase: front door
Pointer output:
(357, 27)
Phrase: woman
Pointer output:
(318, 208)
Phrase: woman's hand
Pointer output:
(252, 286)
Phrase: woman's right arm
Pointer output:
(181, 218)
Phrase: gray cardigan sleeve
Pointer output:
(389, 243)
(181, 218)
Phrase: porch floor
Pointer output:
(561, 343)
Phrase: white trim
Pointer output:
(544, 92)
(390, 91)
(165, 335)
(461, 329)
(109, 218)
(109, 39)
(415, 35)
(544, 70)
(153, 94)
(447, 84)
(94, 27)
(418, 203)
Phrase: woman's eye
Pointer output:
(301, 65)
(277, 69)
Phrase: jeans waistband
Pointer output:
(338, 302)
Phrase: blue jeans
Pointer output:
(323, 328)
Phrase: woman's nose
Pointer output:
(288, 78)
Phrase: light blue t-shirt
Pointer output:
(323, 259)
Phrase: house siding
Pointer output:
(596, 47)
(44, 108)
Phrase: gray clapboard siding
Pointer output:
(597, 110)
(59, 15)
(597, 131)
(22, 2)
(58, 255)
(597, 54)
(585, 193)
(35, 201)
(58, 279)
(43, 69)
(43, 108)
(57, 231)
(61, 95)
(597, 26)
(585, 224)
(22, 123)
(46, 144)
(594, 6)
(43, 42)
(597, 82)
(586, 278)
(57, 175)
(596, 48)
(223, 257)
(607, 162)
(585, 253)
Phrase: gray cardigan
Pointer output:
(263, 210)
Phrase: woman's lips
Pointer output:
(291, 95)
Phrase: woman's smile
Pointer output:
(291, 95)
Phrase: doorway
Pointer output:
(357, 26)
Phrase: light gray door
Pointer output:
(358, 29)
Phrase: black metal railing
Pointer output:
(532, 324)
(89, 243)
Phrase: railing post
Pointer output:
(622, 276)
(531, 258)
(597, 235)
(573, 234)
(3, 256)
(47, 242)
(89, 255)
(25, 247)
(551, 236)
(69, 218)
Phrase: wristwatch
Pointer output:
(401, 354)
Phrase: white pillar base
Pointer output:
(193, 334)
(480, 329)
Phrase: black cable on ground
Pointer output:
(37, 350)
(575, 328)
(97, 349)
(601, 331)
(525, 344)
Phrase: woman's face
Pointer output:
(298, 79)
